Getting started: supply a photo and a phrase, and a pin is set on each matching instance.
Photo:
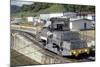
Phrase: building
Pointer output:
(30, 19)
(16, 20)
(86, 15)
(91, 17)
(58, 14)
(81, 24)
(73, 25)
(50, 15)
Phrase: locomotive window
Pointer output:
(77, 44)
(67, 25)
(71, 36)
(59, 26)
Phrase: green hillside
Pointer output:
(37, 8)
(53, 8)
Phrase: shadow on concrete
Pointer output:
(18, 59)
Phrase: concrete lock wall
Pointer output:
(32, 51)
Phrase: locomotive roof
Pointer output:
(58, 19)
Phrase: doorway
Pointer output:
(85, 26)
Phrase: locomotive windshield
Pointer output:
(77, 44)
(66, 35)
(70, 36)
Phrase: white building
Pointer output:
(16, 20)
(61, 14)
(91, 17)
(30, 19)
(81, 24)
(50, 15)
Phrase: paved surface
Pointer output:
(30, 37)
(20, 59)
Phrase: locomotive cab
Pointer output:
(59, 39)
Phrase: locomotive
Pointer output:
(58, 38)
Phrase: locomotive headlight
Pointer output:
(74, 52)
(80, 51)
(86, 50)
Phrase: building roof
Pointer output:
(85, 13)
(82, 20)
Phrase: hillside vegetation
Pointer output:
(37, 8)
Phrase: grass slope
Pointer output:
(53, 8)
